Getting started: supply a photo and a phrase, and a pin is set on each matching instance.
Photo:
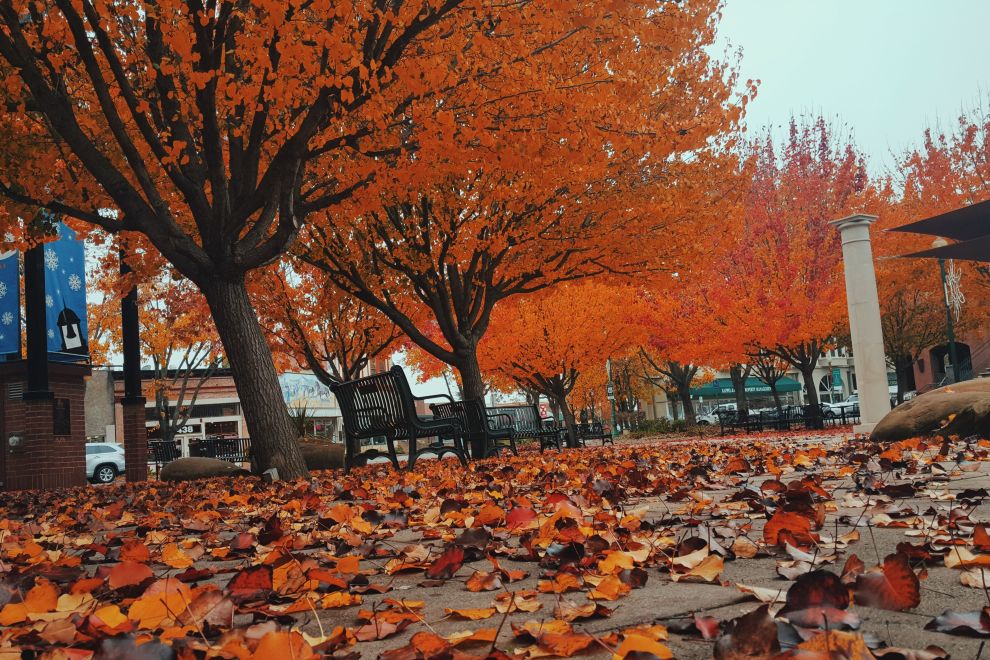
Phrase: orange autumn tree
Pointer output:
(614, 160)
(787, 274)
(547, 342)
(948, 170)
(683, 335)
(218, 130)
(179, 344)
(313, 325)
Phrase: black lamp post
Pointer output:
(949, 328)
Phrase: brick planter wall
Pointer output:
(46, 459)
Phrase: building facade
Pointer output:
(834, 378)
(216, 410)
(931, 369)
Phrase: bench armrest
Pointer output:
(434, 396)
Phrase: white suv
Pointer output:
(104, 461)
(711, 417)
(848, 407)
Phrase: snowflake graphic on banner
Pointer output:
(74, 282)
(7, 318)
(51, 259)
(49, 301)
(51, 333)
(3, 289)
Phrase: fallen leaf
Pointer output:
(894, 587)
(471, 614)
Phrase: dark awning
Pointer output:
(962, 224)
(977, 249)
(723, 387)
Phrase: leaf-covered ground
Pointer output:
(745, 548)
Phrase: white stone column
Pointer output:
(864, 320)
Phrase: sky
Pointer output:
(885, 69)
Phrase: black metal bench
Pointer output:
(234, 450)
(526, 422)
(593, 431)
(484, 428)
(383, 406)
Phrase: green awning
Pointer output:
(723, 387)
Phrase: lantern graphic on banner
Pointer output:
(65, 296)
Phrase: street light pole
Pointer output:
(610, 392)
(950, 330)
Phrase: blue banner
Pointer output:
(65, 296)
(10, 304)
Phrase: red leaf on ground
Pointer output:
(853, 567)
(799, 526)
(254, 583)
(981, 539)
(128, 573)
(520, 517)
(754, 635)
(817, 600)
(894, 587)
(444, 566)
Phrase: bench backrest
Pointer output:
(376, 405)
(525, 418)
(472, 414)
(449, 410)
(591, 427)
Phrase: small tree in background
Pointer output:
(313, 325)
(547, 343)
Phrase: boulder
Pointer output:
(969, 401)
(198, 467)
(322, 456)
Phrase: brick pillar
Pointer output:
(135, 439)
(26, 466)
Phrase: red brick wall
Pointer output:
(45, 460)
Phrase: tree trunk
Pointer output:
(560, 402)
(684, 392)
(738, 375)
(811, 389)
(273, 437)
(776, 396)
(902, 365)
(164, 420)
(472, 384)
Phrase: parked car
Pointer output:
(104, 461)
(848, 407)
(712, 416)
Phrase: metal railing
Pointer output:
(233, 450)
(789, 418)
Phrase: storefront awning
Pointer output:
(961, 224)
(977, 249)
(723, 387)
(970, 225)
